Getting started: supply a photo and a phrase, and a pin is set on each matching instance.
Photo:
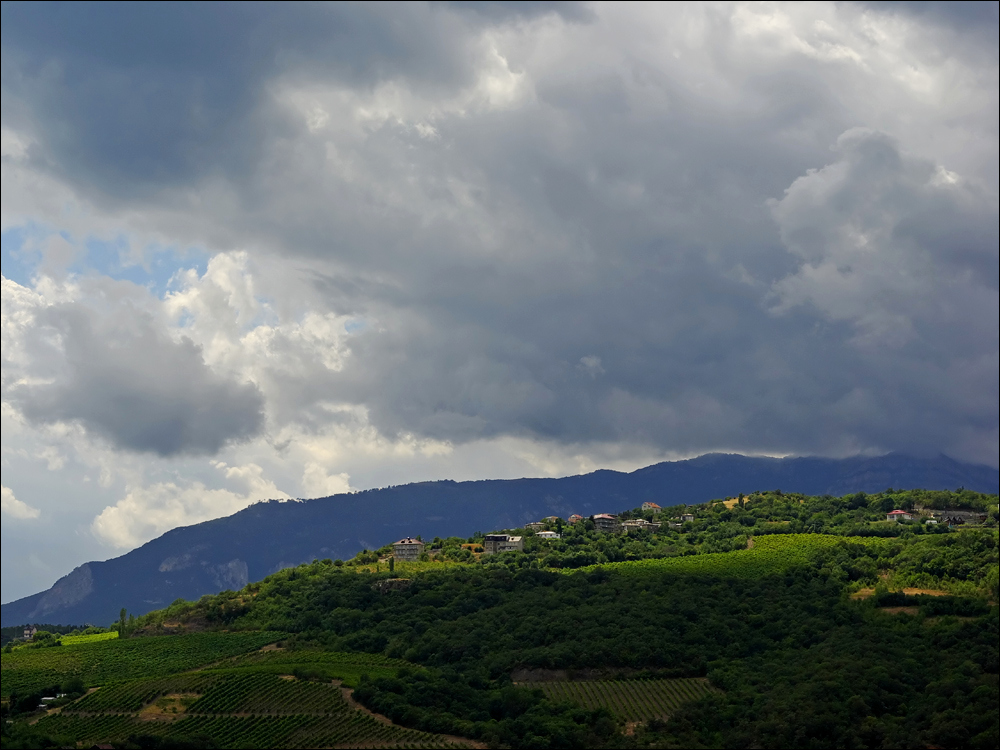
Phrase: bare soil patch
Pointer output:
(168, 707)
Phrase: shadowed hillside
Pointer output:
(228, 552)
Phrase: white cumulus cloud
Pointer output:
(15, 508)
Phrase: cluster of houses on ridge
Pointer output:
(950, 516)
(410, 549)
(493, 544)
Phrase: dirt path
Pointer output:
(48, 712)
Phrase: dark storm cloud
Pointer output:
(124, 380)
(144, 96)
(600, 261)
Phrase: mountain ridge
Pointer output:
(226, 553)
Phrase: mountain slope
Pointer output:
(228, 552)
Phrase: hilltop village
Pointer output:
(650, 518)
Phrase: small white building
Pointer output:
(687, 517)
(548, 535)
(898, 515)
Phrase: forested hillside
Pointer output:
(228, 553)
(768, 620)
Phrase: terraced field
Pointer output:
(330, 665)
(239, 710)
(104, 661)
(221, 686)
(631, 700)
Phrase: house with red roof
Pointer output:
(898, 515)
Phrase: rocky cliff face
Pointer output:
(67, 591)
(229, 552)
(232, 575)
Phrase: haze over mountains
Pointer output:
(227, 553)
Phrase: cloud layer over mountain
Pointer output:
(286, 250)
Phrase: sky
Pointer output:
(284, 251)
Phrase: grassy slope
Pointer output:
(769, 555)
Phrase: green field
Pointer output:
(76, 640)
(115, 660)
(631, 700)
(770, 554)
(235, 709)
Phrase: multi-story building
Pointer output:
(535, 525)
(494, 544)
(407, 549)
(605, 522)
(652, 506)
